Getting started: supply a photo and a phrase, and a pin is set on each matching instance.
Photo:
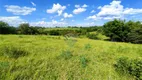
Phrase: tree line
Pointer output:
(116, 30)
(26, 29)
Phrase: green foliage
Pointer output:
(93, 36)
(12, 52)
(131, 67)
(116, 30)
(24, 28)
(6, 29)
(46, 63)
(70, 42)
(136, 35)
(3, 69)
(54, 32)
(66, 54)
(83, 61)
(87, 46)
(119, 30)
(20, 36)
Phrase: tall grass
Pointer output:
(11, 51)
(82, 59)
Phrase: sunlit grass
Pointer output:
(86, 59)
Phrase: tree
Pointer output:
(6, 29)
(135, 36)
(116, 30)
(24, 28)
(119, 30)
(3, 27)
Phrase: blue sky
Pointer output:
(50, 13)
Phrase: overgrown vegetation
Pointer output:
(64, 56)
(120, 30)
(83, 61)
(11, 51)
(131, 67)
(54, 58)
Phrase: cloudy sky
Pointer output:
(50, 13)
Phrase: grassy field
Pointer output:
(60, 58)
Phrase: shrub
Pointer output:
(4, 66)
(87, 46)
(13, 52)
(131, 67)
(93, 36)
(83, 61)
(66, 55)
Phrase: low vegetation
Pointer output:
(109, 52)
(131, 67)
(12, 51)
(42, 57)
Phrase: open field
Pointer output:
(60, 58)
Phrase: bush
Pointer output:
(131, 67)
(87, 46)
(66, 55)
(83, 61)
(93, 36)
(13, 52)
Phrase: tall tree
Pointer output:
(3, 27)
(116, 30)
(24, 28)
(6, 29)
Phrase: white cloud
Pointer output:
(99, 7)
(85, 5)
(93, 11)
(86, 24)
(66, 15)
(114, 10)
(33, 3)
(16, 20)
(13, 20)
(94, 17)
(17, 10)
(77, 6)
(53, 23)
(79, 10)
(59, 12)
(57, 8)
(132, 11)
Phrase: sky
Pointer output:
(51, 13)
